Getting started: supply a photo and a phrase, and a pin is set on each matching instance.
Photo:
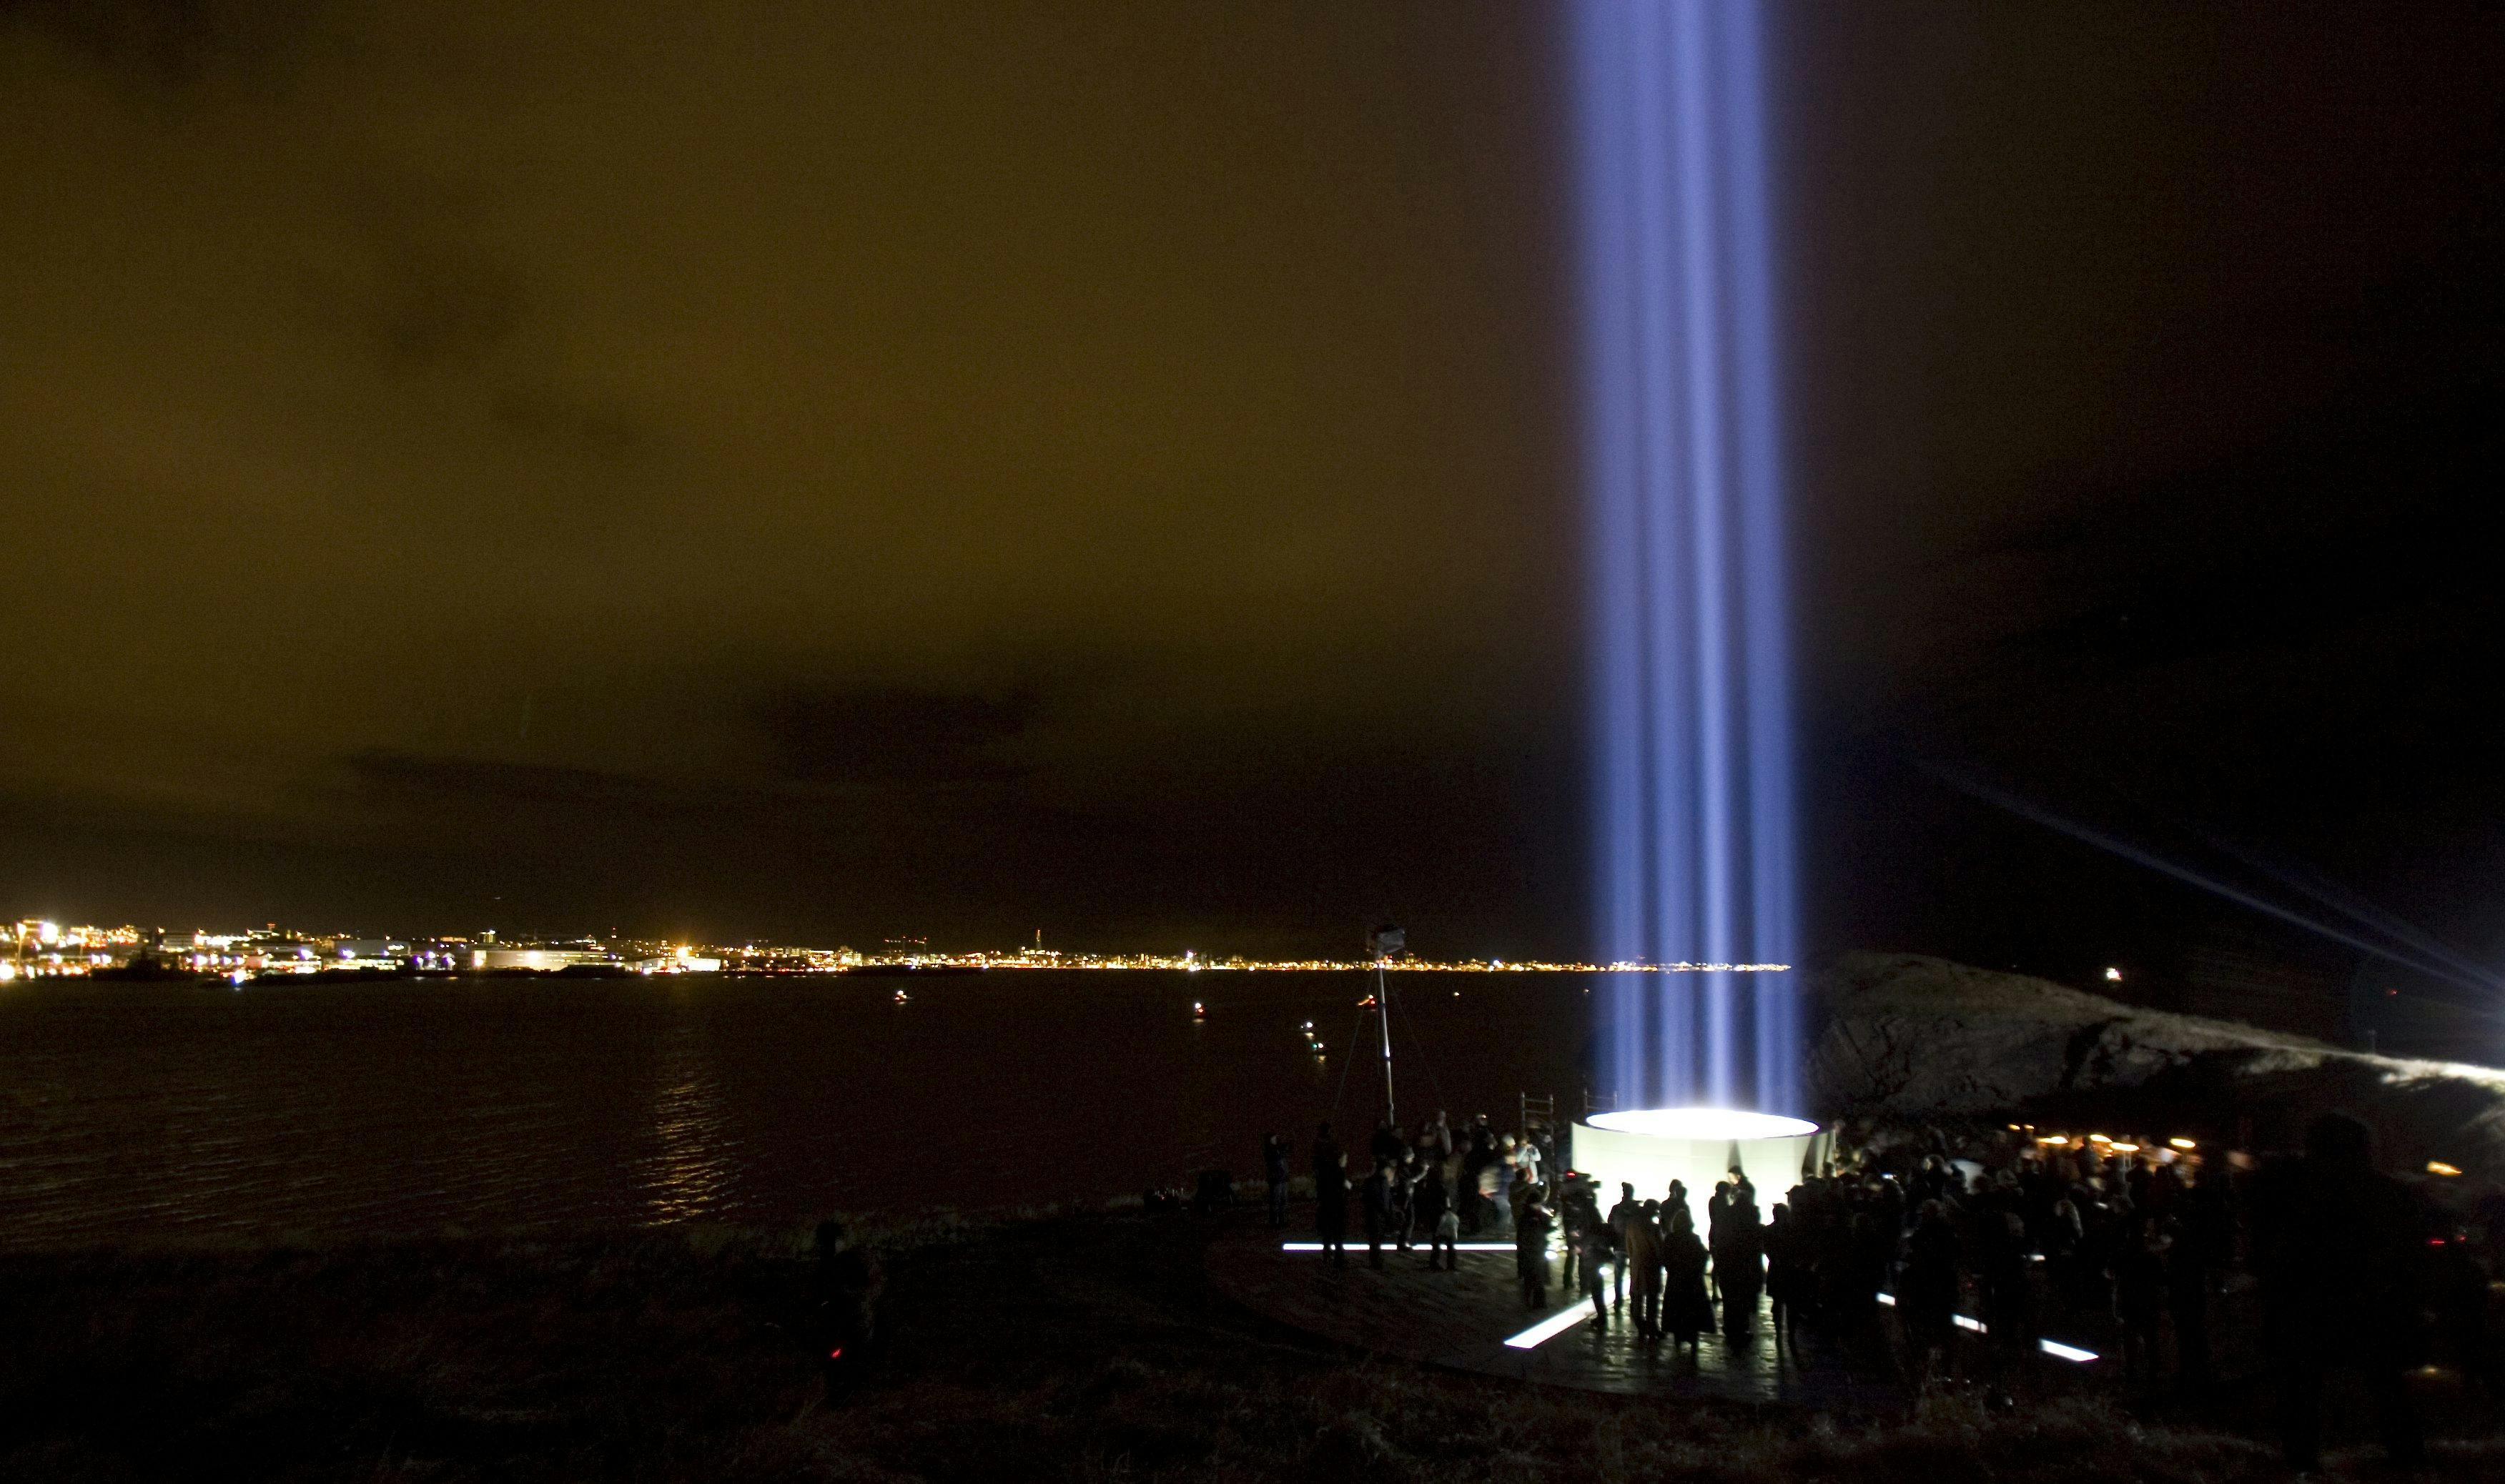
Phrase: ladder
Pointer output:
(1536, 1110)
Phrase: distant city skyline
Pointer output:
(39, 947)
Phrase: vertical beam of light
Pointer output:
(1669, 1070)
(1699, 289)
(1618, 589)
(1695, 853)
(1773, 905)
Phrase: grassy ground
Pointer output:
(1056, 1348)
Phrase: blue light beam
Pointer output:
(1692, 665)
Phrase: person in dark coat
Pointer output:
(1685, 1311)
(1597, 1251)
(1717, 1210)
(1274, 1174)
(1330, 1200)
(2336, 1243)
(1576, 1208)
(1787, 1270)
(1740, 1267)
(1531, 1253)
(1642, 1244)
(1926, 1289)
(1386, 1143)
(1430, 1207)
(1375, 1199)
(1627, 1209)
(1405, 1175)
(2187, 1303)
(1327, 1152)
(1675, 1204)
(2002, 1269)
(846, 1286)
(2140, 1298)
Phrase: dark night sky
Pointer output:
(819, 471)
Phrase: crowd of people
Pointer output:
(1431, 1188)
(2012, 1233)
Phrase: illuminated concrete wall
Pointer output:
(1650, 1162)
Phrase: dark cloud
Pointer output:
(168, 44)
(885, 734)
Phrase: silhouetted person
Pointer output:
(1330, 1201)
(1375, 1200)
(1386, 1143)
(2140, 1298)
(1642, 1244)
(1863, 1251)
(2334, 1243)
(846, 1286)
(1406, 1172)
(1628, 1209)
(1597, 1251)
(1788, 1269)
(1926, 1289)
(2000, 1263)
(1531, 1253)
(1717, 1210)
(1575, 1211)
(1274, 1174)
(1675, 1204)
(1740, 1266)
(1432, 1208)
(1685, 1311)
(2187, 1303)
(1435, 1139)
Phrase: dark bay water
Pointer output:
(136, 1111)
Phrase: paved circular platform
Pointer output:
(1462, 1320)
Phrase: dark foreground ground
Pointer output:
(1086, 1347)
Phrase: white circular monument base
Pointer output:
(1649, 1147)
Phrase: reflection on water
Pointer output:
(688, 1172)
(135, 1112)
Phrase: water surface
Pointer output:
(130, 1112)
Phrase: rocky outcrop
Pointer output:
(1910, 1037)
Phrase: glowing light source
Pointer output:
(1701, 1123)
(1692, 676)
(1458, 1247)
(2113, 975)
(2182, 1143)
(1550, 1328)
(2439, 1167)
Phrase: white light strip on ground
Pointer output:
(1558, 1322)
(1359, 1246)
(1550, 1328)
(1567, 1319)
(2053, 1347)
